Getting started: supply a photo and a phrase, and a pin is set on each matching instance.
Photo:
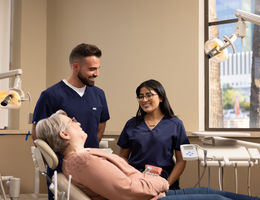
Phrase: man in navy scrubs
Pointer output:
(77, 96)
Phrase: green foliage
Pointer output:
(245, 105)
(226, 87)
(229, 97)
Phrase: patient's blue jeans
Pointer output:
(204, 193)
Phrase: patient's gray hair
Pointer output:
(48, 130)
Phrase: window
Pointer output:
(233, 86)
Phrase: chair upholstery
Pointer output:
(75, 192)
(39, 168)
(48, 154)
(52, 161)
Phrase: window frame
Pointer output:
(207, 24)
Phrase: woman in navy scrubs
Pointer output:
(154, 136)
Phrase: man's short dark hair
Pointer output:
(84, 50)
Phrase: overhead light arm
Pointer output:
(246, 16)
(15, 95)
(11, 73)
(216, 49)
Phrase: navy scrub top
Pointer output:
(89, 110)
(155, 147)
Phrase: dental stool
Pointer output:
(51, 159)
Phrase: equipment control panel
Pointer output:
(189, 152)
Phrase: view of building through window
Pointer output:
(239, 90)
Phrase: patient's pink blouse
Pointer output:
(107, 176)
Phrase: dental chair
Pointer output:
(39, 168)
(51, 159)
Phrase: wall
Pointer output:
(140, 40)
(160, 43)
(28, 51)
(5, 19)
(29, 54)
(16, 160)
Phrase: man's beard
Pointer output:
(85, 81)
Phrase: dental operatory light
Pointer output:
(216, 49)
(12, 98)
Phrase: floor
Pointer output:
(32, 197)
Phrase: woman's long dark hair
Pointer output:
(165, 106)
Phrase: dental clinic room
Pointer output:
(171, 87)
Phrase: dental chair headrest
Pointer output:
(48, 154)
(52, 161)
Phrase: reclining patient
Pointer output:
(107, 176)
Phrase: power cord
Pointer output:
(205, 165)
